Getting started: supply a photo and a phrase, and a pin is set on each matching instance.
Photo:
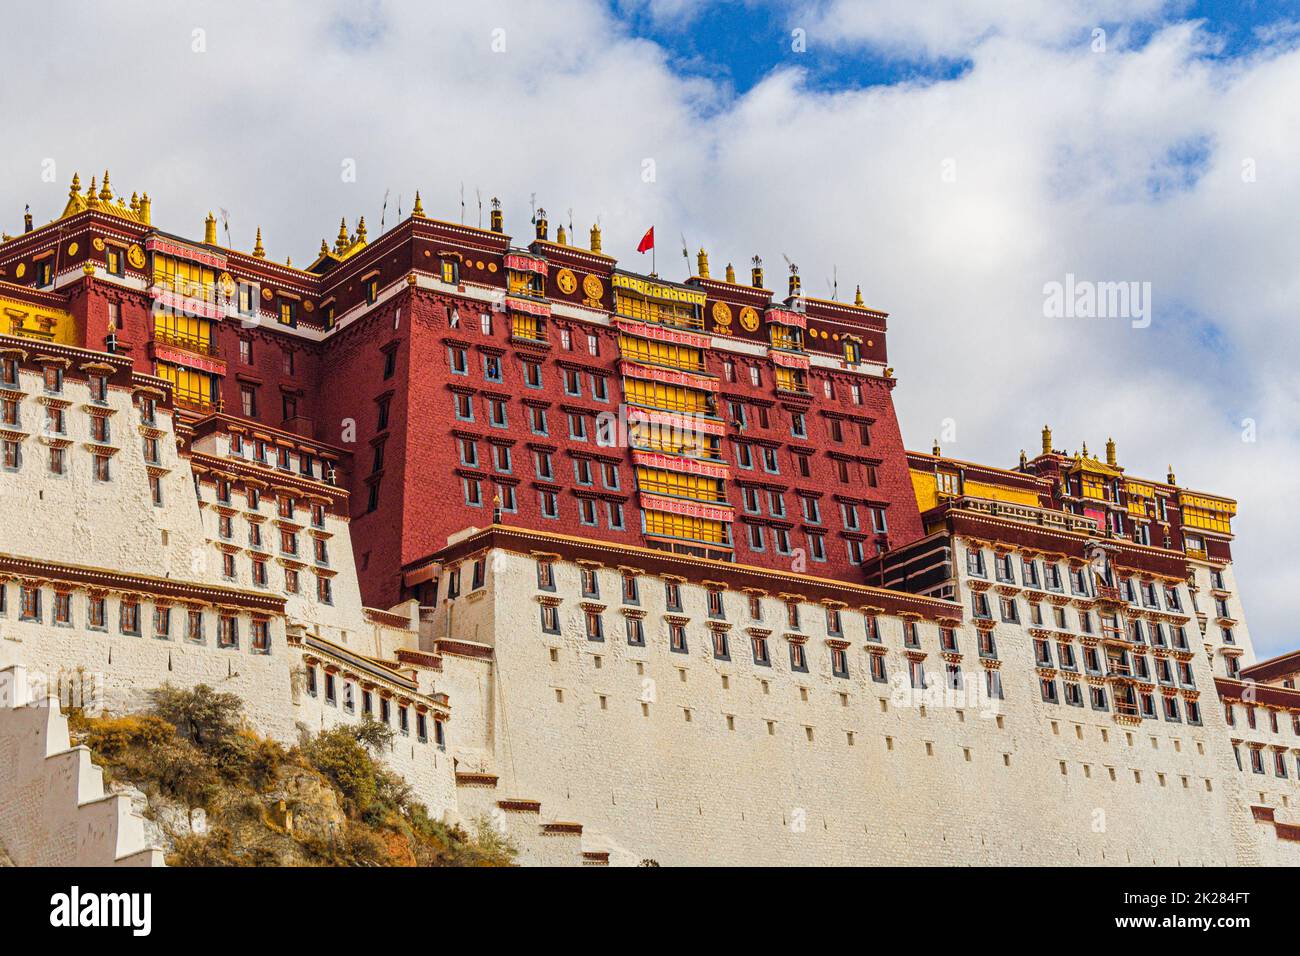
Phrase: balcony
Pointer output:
(196, 401)
(199, 345)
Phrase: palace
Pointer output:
(635, 569)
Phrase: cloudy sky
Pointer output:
(952, 157)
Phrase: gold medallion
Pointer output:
(749, 318)
(593, 288)
(135, 256)
(722, 313)
(566, 281)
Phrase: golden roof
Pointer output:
(137, 210)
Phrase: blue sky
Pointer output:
(739, 42)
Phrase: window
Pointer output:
(194, 626)
(716, 609)
(595, 626)
(798, 659)
(13, 455)
(721, 650)
(248, 400)
(550, 619)
(839, 662)
(324, 590)
(29, 603)
(635, 632)
(673, 595)
(162, 622)
(677, 638)
(96, 612)
(590, 583)
(878, 672)
(129, 616)
(63, 609)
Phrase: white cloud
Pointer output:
(1115, 166)
(951, 28)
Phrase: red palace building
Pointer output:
(458, 378)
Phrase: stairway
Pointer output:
(53, 809)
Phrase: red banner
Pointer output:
(660, 334)
(523, 263)
(670, 377)
(165, 353)
(690, 509)
(528, 305)
(790, 360)
(180, 251)
(786, 317)
(685, 466)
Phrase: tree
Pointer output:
(201, 715)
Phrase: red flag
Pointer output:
(647, 241)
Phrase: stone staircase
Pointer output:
(53, 808)
(539, 843)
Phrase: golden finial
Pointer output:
(258, 251)
(496, 219)
(324, 248)
(595, 237)
(105, 193)
(857, 299)
(1024, 459)
(731, 273)
(135, 202)
(75, 190)
(561, 237)
(935, 450)
(92, 199)
(288, 260)
(702, 263)
(145, 205)
(1170, 477)
(418, 211)
(1047, 440)
(210, 229)
(1110, 453)
(361, 229)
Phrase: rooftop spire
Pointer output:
(209, 229)
(341, 241)
(105, 193)
(418, 211)
(595, 237)
(259, 252)
(1047, 440)
(731, 273)
(857, 298)
(702, 263)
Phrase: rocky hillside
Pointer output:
(221, 795)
